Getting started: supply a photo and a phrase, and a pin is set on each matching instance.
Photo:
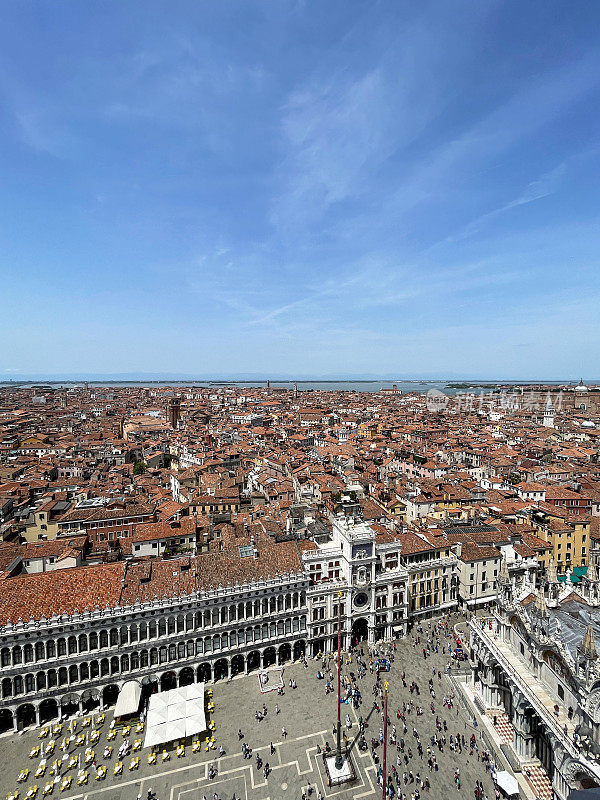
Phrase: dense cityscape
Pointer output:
(157, 538)
(299, 400)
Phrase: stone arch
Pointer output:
(204, 672)
(25, 716)
(299, 648)
(48, 709)
(168, 680)
(269, 656)
(186, 676)
(90, 699)
(237, 664)
(69, 704)
(6, 720)
(221, 669)
(110, 694)
(253, 660)
(285, 653)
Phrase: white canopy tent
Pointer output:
(128, 701)
(175, 714)
(508, 783)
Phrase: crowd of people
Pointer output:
(419, 731)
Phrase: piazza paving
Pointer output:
(307, 714)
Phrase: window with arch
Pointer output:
(28, 653)
(29, 683)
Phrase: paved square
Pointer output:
(308, 715)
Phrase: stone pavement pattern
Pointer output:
(308, 715)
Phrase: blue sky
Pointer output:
(300, 188)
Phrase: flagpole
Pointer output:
(385, 720)
(339, 761)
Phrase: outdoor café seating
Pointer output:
(165, 756)
(137, 745)
(180, 750)
(118, 768)
(48, 788)
(23, 775)
(94, 736)
(41, 770)
(107, 751)
(72, 762)
(66, 783)
(134, 764)
(82, 778)
(57, 729)
(31, 792)
(49, 749)
(152, 758)
(44, 732)
(34, 752)
(101, 774)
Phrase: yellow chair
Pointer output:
(94, 736)
(118, 770)
(135, 763)
(82, 778)
(86, 723)
(31, 792)
(48, 788)
(34, 752)
(180, 751)
(101, 774)
(139, 728)
(49, 749)
(23, 775)
(108, 751)
(80, 739)
(126, 730)
(137, 745)
(44, 732)
(196, 746)
(151, 758)
(57, 729)
(66, 783)
(89, 757)
(41, 770)
(100, 719)
(111, 735)
(165, 756)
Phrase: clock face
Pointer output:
(360, 600)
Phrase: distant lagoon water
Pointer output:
(419, 386)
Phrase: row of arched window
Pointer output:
(131, 662)
(30, 653)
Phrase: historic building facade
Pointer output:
(535, 661)
(81, 660)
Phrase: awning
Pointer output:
(175, 714)
(508, 783)
(128, 701)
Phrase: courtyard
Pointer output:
(308, 715)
